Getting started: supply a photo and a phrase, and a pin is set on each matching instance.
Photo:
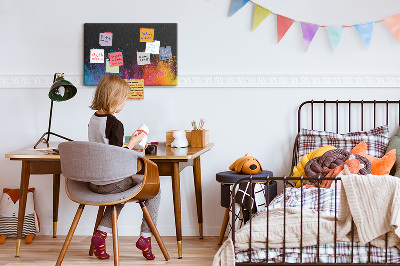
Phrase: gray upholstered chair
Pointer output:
(83, 162)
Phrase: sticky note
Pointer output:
(105, 39)
(153, 47)
(116, 59)
(109, 69)
(137, 89)
(96, 55)
(143, 58)
(146, 35)
(165, 53)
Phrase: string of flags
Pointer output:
(309, 30)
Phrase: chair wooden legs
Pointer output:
(154, 230)
(78, 215)
(98, 220)
(115, 234)
(223, 227)
(70, 234)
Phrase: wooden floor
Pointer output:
(44, 250)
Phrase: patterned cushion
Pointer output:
(377, 139)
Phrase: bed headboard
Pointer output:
(347, 116)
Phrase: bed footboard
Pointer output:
(303, 257)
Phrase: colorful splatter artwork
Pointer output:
(126, 42)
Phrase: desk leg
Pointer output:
(56, 199)
(197, 187)
(25, 175)
(176, 190)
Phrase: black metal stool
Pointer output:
(229, 178)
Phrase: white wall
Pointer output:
(40, 38)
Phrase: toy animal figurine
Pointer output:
(246, 165)
(9, 205)
(180, 140)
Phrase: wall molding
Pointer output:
(242, 81)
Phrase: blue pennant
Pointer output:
(236, 5)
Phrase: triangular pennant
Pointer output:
(309, 31)
(236, 5)
(283, 24)
(260, 13)
(393, 23)
(335, 35)
(365, 32)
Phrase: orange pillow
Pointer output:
(380, 166)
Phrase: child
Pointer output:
(110, 98)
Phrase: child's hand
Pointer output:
(141, 150)
(135, 139)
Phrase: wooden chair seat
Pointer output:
(92, 159)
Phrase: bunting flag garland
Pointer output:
(260, 13)
(236, 5)
(365, 32)
(309, 30)
(283, 25)
(393, 24)
(335, 34)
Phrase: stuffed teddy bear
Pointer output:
(9, 205)
(246, 165)
(180, 140)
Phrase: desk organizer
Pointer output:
(170, 138)
(196, 138)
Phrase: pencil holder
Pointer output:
(199, 138)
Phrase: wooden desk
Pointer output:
(170, 162)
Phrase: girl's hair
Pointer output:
(109, 93)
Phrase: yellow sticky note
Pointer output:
(146, 35)
(137, 89)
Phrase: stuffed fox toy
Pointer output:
(9, 205)
(246, 165)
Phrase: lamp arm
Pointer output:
(51, 114)
(48, 133)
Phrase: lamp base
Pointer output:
(45, 139)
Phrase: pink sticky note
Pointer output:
(116, 59)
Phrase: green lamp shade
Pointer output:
(62, 90)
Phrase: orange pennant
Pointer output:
(283, 25)
(393, 23)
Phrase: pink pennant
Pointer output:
(309, 31)
(393, 23)
(283, 25)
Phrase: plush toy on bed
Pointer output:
(9, 205)
(246, 165)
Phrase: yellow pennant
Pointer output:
(260, 13)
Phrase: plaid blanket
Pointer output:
(326, 252)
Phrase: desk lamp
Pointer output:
(61, 90)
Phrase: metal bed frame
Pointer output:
(338, 106)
